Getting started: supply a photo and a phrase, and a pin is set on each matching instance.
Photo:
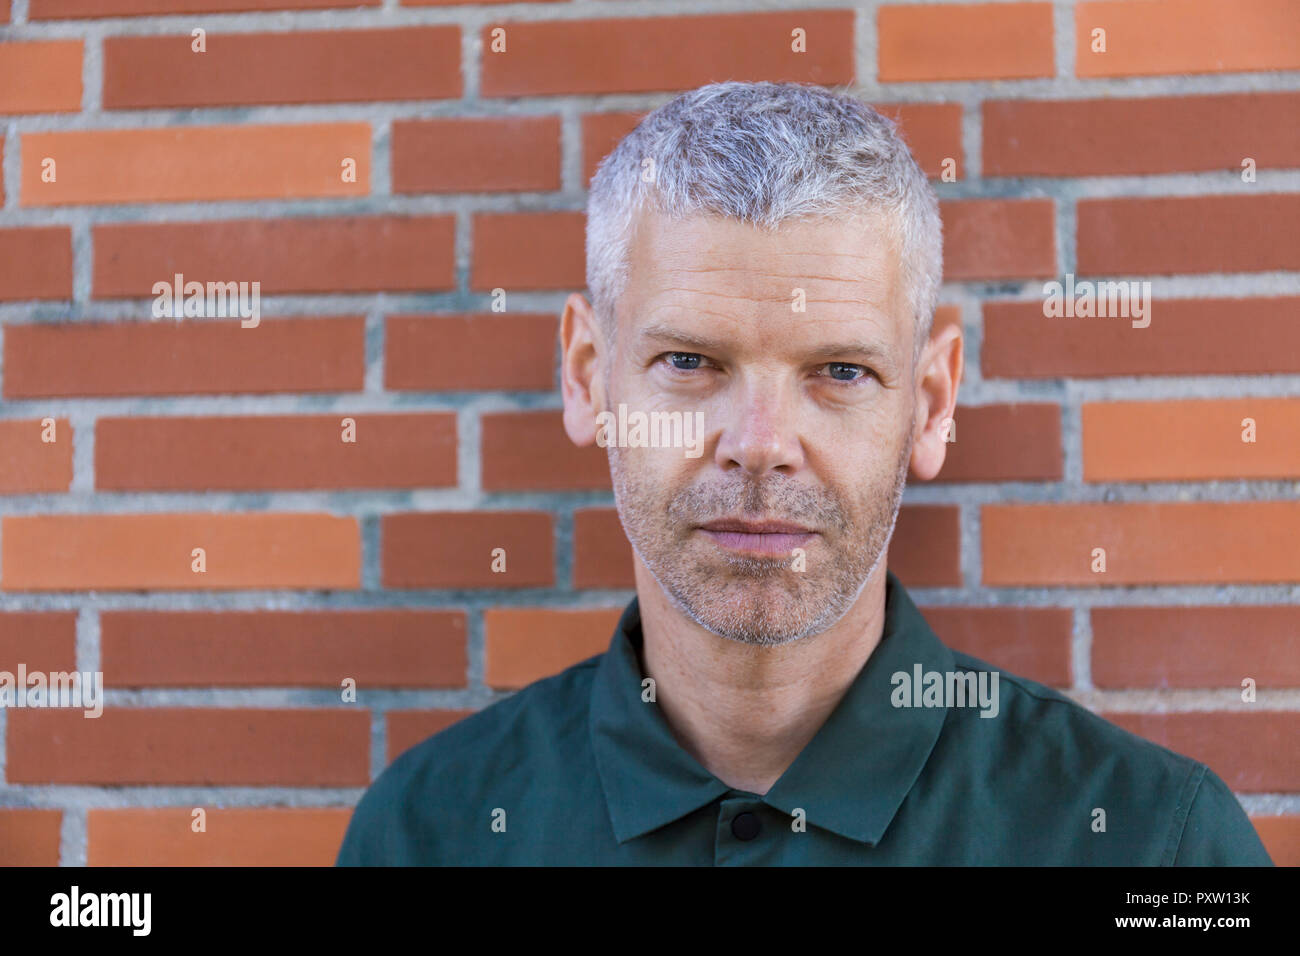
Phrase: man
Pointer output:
(765, 259)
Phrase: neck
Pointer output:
(746, 711)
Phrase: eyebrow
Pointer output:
(666, 333)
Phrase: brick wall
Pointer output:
(327, 559)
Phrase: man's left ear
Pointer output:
(938, 376)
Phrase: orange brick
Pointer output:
(1033, 642)
(964, 41)
(376, 648)
(1252, 752)
(1281, 837)
(348, 254)
(925, 551)
(1007, 442)
(1170, 235)
(1127, 136)
(438, 353)
(1246, 542)
(406, 728)
(207, 356)
(1185, 337)
(530, 451)
(251, 452)
(1186, 36)
(30, 837)
(144, 551)
(69, 9)
(36, 263)
(40, 77)
(998, 238)
(602, 555)
(1190, 439)
(644, 54)
(258, 836)
(28, 463)
(179, 163)
(529, 250)
(303, 66)
(458, 549)
(476, 155)
(1196, 647)
(41, 640)
(527, 644)
(199, 746)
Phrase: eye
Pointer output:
(843, 372)
(684, 361)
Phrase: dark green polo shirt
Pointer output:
(580, 769)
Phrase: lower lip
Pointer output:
(768, 544)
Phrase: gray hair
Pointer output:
(764, 153)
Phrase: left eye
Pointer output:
(843, 371)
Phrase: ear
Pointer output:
(582, 348)
(937, 378)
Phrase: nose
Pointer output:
(761, 431)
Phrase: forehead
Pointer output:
(715, 273)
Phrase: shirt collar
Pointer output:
(851, 778)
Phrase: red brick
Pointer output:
(1008, 442)
(28, 463)
(304, 66)
(251, 452)
(203, 357)
(177, 163)
(454, 549)
(376, 648)
(1281, 837)
(40, 76)
(1187, 36)
(437, 353)
(36, 263)
(198, 746)
(602, 555)
(529, 250)
(153, 551)
(41, 640)
(526, 644)
(1171, 235)
(1185, 337)
(1033, 642)
(347, 254)
(476, 155)
(30, 837)
(998, 238)
(925, 551)
(1252, 752)
(254, 836)
(1127, 136)
(1196, 647)
(68, 9)
(530, 451)
(1190, 439)
(964, 41)
(406, 728)
(644, 54)
(1247, 542)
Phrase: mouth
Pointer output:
(771, 538)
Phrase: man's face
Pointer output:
(807, 415)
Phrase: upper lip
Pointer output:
(770, 526)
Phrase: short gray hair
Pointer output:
(764, 153)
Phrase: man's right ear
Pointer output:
(581, 385)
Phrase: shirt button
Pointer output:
(745, 826)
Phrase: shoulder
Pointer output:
(493, 749)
